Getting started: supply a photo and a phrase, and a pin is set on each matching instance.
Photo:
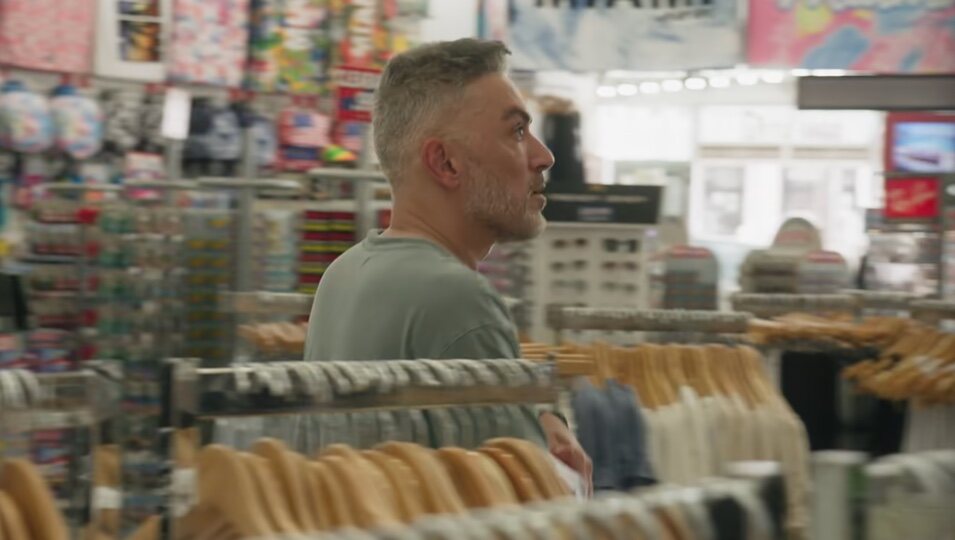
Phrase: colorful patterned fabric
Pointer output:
(79, 125)
(52, 35)
(289, 46)
(25, 121)
(210, 42)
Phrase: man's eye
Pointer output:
(521, 131)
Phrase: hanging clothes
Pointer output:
(835, 416)
(611, 429)
(49, 35)
(209, 42)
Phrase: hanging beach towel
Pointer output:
(26, 124)
(78, 121)
(209, 42)
(50, 35)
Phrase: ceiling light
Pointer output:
(650, 87)
(606, 91)
(627, 89)
(695, 83)
(772, 77)
(747, 78)
(719, 82)
(800, 72)
(672, 85)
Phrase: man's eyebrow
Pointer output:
(519, 112)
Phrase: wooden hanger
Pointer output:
(524, 485)
(289, 480)
(371, 475)
(148, 530)
(334, 503)
(536, 463)
(12, 522)
(473, 484)
(755, 373)
(406, 485)
(714, 355)
(638, 358)
(271, 496)
(368, 508)
(657, 375)
(442, 497)
(22, 482)
(205, 523)
(697, 369)
(225, 485)
(312, 496)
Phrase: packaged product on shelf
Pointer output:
(209, 43)
(289, 46)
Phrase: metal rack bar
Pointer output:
(648, 320)
(886, 301)
(770, 305)
(933, 311)
(190, 382)
(70, 399)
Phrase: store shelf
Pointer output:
(50, 259)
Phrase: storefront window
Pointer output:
(724, 200)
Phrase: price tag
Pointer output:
(184, 491)
(107, 498)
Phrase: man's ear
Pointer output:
(439, 162)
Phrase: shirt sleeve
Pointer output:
(489, 341)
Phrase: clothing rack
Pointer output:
(288, 388)
(197, 393)
(933, 311)
(770, 305)
(647, 320)
(883, 301)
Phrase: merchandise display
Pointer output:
(177, 177)
(703, 406)
(795, 263)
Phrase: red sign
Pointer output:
(356, 93)
(912, 197)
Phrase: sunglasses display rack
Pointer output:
(585, 265)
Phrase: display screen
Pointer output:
(923, 146)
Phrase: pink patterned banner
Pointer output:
(879, 36)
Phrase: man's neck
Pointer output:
(466, 245)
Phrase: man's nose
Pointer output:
(540, 157)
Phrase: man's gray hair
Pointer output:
(417, 86)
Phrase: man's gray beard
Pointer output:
(488, 204)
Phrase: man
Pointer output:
(453, 138)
